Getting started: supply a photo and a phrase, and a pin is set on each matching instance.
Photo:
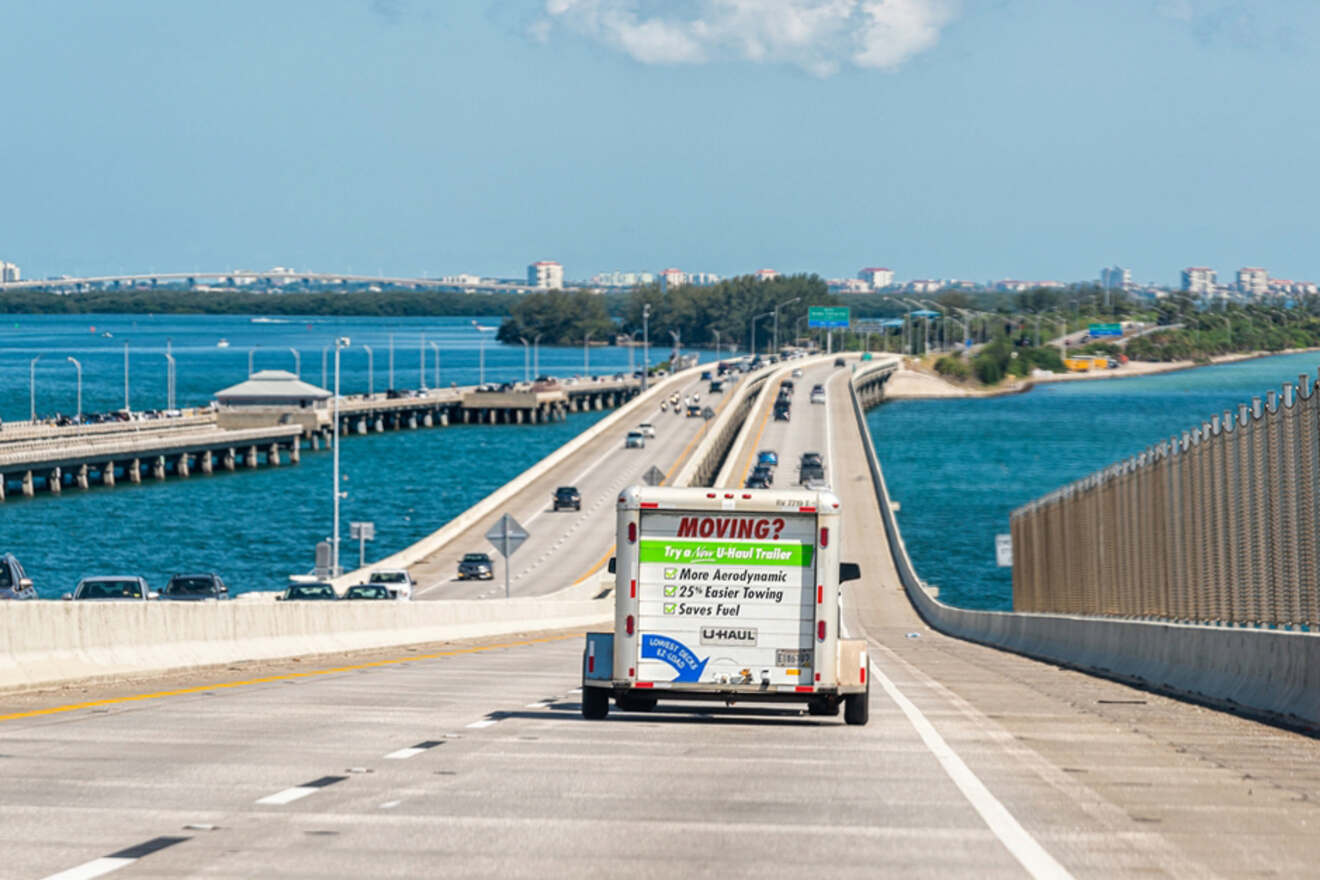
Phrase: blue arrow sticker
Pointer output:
(676, 654)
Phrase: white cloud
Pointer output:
(818, 36)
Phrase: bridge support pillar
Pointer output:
(158, 467)
(206, 461)
(230, 459)
(273, 455)
(380, 425)
(316, 440)
(81, 478)
(361, 426)
(250, 459)
(518, 416)
(55, 481)
(600, 404)
(494, 416)
(135, 471)
(444, 418)
(412, 421)
(28, 490)
(181, 467)
(467, 414)
(428, 419)
(2, 487)
(108, 474)
(295, 452)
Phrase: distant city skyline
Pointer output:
(976, 140)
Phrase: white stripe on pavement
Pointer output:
(94, 868)
(401, 754)
(288, 796)
(485, 722)
(1030, 854)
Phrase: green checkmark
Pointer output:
(670, 589)
(670, 608)
(671, 572)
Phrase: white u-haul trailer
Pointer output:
(729, 595)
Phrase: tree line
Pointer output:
(401, 303)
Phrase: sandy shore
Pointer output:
(914, 382)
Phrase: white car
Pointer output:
(397, 580)
(635, 440)
(647, 429)
(818, 395)
(797, 373)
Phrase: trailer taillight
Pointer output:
(628, 625)
(632, 589)
(820, 594)
(632, 533)
(824, 536)
(820, 629)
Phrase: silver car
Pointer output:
(14, 582)
(114, 588)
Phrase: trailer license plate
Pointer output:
(792, 657)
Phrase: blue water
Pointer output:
(959, 467)
(256, 528)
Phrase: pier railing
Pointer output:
(1219, 525)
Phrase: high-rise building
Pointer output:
(1198, 279)
(546, 275)
(670, 278)
(1253, 281)
(1116, 278)
(877, 276)
(766, 274)
(9, 272)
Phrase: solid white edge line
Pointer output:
(1030, 854)
(403, 753)
(288, 796)
(94, 868)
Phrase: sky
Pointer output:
(972, 139)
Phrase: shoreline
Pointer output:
(923, 384)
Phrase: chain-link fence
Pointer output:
(1219, 525)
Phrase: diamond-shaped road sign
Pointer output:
(507, 535)
(654, 477)
(708, 413)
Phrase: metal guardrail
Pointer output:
(1219, 525)
(27, 456)
(16, 432)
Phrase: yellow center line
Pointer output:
(156, 695)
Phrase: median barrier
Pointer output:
(1265, 673)
(501, 496)
(49, 642)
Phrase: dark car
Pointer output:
(811, 474)
(758, 481)
(840, 362)
(706, 375)
(315, 591)
(694, 411)
(716, 387)
(782, 412)
(194, 588)
(567, 498)
(476, 565)
(812, 459)
(763, 472)
(14, 582)
(786, 385)
(369, 591)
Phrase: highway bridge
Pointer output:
(470, 756)
(245, 278)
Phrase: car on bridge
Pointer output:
(716, 386)
(767, 456)
(797, 372)
(759, 479)
(567, 498)
(812, 459)
(818, 394)
(634, 440)
(783, 411)
(112, 588)
(14, 582)
(840, 362)
(317, 591)
(476, 566)
(369, 592)
(647, 428)
(396, 580)
(194, 588)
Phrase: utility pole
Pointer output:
(126, 409)
(646, 344)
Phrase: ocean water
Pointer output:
(959, 467)
(255, 528)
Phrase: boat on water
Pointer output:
(223, 343)
(108, 335)
(269, 321)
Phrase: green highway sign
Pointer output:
(828, 316)
(1105, 329)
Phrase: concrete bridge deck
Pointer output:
(976, 762)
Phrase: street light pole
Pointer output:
(436, 349)
(371, 372)
(646, 344)
(421, 356)
(536, 354)
(586, 355)
(126, 409)
(527, 355)
(169, 381)
(754, 320)
(341, 343)
(78, 367)
(776, 310)
(391, 360)
(325, 377)
(678, 346)
(717, 343)
(32, 388)
(297, 362)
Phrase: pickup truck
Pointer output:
(730, 596)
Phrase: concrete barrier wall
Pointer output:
(1266, 673)
(44, 643)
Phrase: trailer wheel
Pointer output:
(595, 703)
(823, 706)
(857, 707)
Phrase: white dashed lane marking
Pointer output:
(409, 752)
(485, 722)
(298, 792)
(113, 862)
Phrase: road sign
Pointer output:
(507, 536)
(653, 477)
(708, 414)
(362, 532)
(1105, 330)
(1004, 551)
(828, 316)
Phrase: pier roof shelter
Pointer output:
(278, 388)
